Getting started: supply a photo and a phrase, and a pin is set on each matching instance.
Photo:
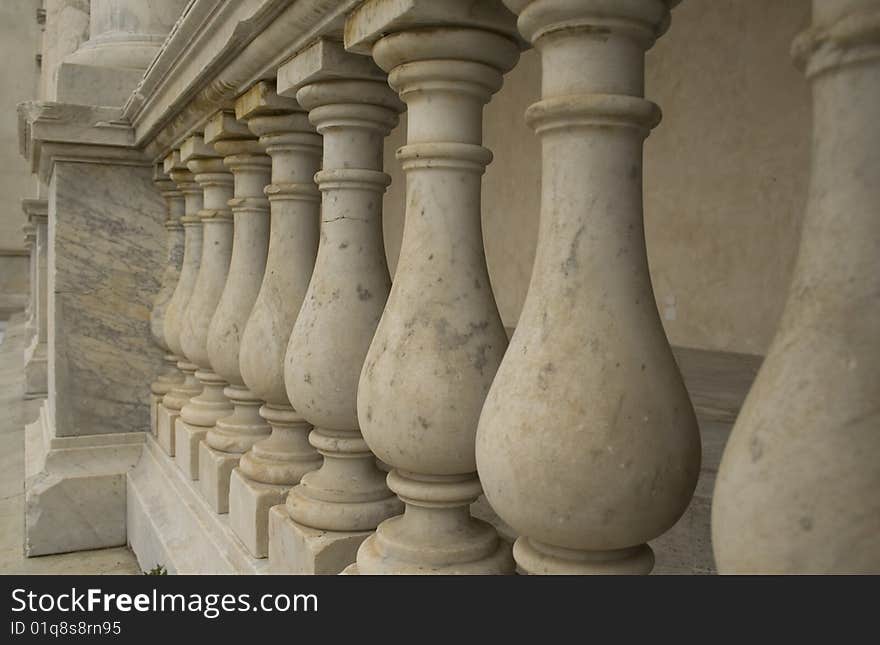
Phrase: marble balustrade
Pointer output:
(315, 414)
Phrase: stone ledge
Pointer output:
(171, 524)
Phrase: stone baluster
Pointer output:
(268, 470)
(200, 414)
(336, 507)
(798, 489)
(440, 339)
(180, 394)
(588, 445)
(235, 434)
(175, 208)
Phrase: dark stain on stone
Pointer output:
(363, 294)
(756, 448)
(543, 374)
(481, 359)
(571, 262)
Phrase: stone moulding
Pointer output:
(217, 51)
(49, 132)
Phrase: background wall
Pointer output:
(725, 174)
(19, 78)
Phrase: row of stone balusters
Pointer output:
(298, 362)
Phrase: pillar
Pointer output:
(169, 411)
(335, 508)
(798, 489)
(66, 29)
(200, 414)
(440, 338)
(588, 445)
(236, 433)
(36, 353)
(30, 311)
(274, 464)
(175, 209)
(124, 38)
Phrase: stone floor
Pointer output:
(717, 382)
(15, 412)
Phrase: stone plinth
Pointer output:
(215, 470)
(249, 504)
(295, 549)
(105, 242)
(75, 488)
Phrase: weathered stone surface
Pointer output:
(588, 445)
(295, 549)
(799, 485)
(440, 338)
(215, 469)
(75, 488)
(353, 108)
(249, 504)
(107, 236)
(170, 523)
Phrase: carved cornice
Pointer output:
(36, 210)
(59, 131)
(217, 50)
(36, 207)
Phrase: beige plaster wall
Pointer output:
(725, 174)
(19, 79)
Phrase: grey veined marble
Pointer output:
(106, 241)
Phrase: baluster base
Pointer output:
(535, 558)
(172, 403)
(215, 471)
(249, 504)
(187, 439)
(436, 534)
(296, 549)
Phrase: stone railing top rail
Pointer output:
(215, 52)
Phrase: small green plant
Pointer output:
(158, 570)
